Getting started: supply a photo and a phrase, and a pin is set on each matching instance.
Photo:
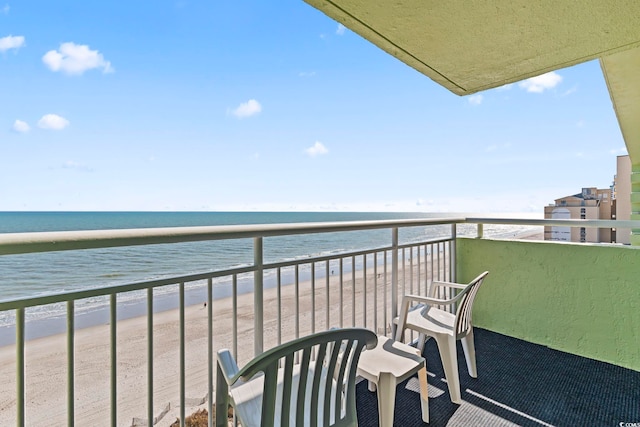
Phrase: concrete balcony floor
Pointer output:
(518, 384)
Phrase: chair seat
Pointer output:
(247, 397)
(430, 320)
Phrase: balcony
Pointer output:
(557, 342)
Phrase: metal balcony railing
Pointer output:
(354, 288)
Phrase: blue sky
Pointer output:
(253, 105)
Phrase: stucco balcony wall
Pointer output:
(582, 298)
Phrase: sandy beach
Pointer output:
(46, 358)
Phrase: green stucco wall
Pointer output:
(578, 298)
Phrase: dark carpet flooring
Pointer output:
(520, 384)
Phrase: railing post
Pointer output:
(394, 278)
(70, 363)
(480, 233)
(20, 379)
(453, 267)
(258, 300)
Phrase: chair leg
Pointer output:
(386, 399)
(424, 393)
(470, 354)
(422, 339)
(447, 348)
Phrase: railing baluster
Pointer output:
(327, 302)
(341, 292)
(234, 302)
(279, 291)
(150, 356)
(113, 319)
(313, 297)
(353, 291)
(384, 306)
(419, 273)
(297, 311)
(210, 351)
(70, 364)
(364, 292)
(404, 272)
(439, 266)
(432, 266)
(394, 276)
(426, 269)
(375, 292)
(297, 294)
(20, 364)
(182, 358)
(258, 297)
(453, 274)
(411, 257)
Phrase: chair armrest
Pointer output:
(438, 284)
(404, 309)
(406, 299)
(228, 366)
(450, 284)
(226, 375)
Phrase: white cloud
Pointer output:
(317, 149)
(20, 126)
(475, 99)
(508, 86)
(53, 122)
(307, 74)
(247, 109)
(340, 30)
(5, 9)
(540, 83)
(70, 164)
(11, 42)
(75, 59)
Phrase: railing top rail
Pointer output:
(51, 241)
(589, 223)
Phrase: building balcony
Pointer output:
(557, 324)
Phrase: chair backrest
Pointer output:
(465, 306)
(326, 368)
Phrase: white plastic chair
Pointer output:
(267, 391)
(445, 326)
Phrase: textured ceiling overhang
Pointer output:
(469, 46)
(622, 74)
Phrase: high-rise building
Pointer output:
(594, 203)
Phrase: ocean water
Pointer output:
(30, 275)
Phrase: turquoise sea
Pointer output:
(32, 275)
